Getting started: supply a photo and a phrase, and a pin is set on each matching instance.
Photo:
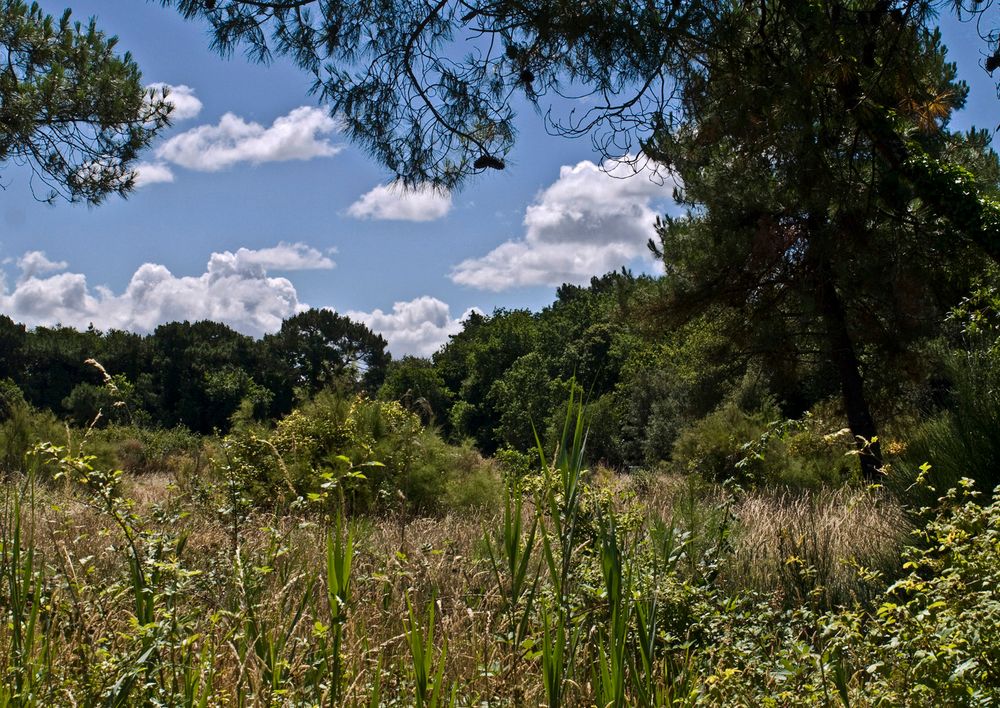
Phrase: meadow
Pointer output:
(557, 586)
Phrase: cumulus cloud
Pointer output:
(235, 288)
(393, 202)
(186, 104)
(209, 148)
(152, 173)
(589, 221)
(34, 263)
(284, 256)
(416, 327)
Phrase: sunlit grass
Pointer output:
(578, 590)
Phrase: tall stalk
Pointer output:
(510, 560)
(560, 499)
(339, 556)
(612, 639)
(27, 655)
(428, 676)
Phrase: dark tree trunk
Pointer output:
(845, 358)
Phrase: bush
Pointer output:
(11, 398)
(936, 636)
(961, 439)
(716, 444)
(469, 481)
(760, 448)
(138, 450)
(964, 439)
(374, 452)
(21, 428)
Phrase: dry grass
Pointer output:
(84, 559)
(225, 588)
(809, 539)
(789, 542)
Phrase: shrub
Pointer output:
(22, 427)
(964, 439)
(760, 448)
(11, 398)
(139, 450)
(715, 445)
(514, 465)
(371, 451)
(935, 639)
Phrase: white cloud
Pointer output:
(152, 173)
(588, 222)
(186, 104)
(235, 288)
(35, 263)
(209, 148)
(392, 201)
(417, 327)
(284, 256)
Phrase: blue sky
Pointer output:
(253, 206)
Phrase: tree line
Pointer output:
(500, 383)
(196, 375)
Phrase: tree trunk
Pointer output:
(845, 358)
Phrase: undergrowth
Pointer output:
(576, 588)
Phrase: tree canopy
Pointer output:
(198, 375)
(430, 89)
(71, 108)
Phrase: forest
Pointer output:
(765, 475)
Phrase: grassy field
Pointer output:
(582, 589)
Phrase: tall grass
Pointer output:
(578, 590)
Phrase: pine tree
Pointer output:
(71, 109)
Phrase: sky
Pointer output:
(252, 207)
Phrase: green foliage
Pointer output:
(510, 556)
(715, 446)
(761, 449)
(70, 106)
(584, 596)
(524, 398)
(198, 374)
(954, 193)
(419, 387)
(960, 439)
(204, 376)
(428, 673)
(604, 438)
(20, 430)
(814, 260)
(669, 384)
(86, 402)
(387, 456)
(471, 483)
(230, 389)
(11, 398)
(507, 373)
(474, 361)
(140, 450)
(515, 466)
(320, 348)
(12, 339)
(935, 637)
(54, 363)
